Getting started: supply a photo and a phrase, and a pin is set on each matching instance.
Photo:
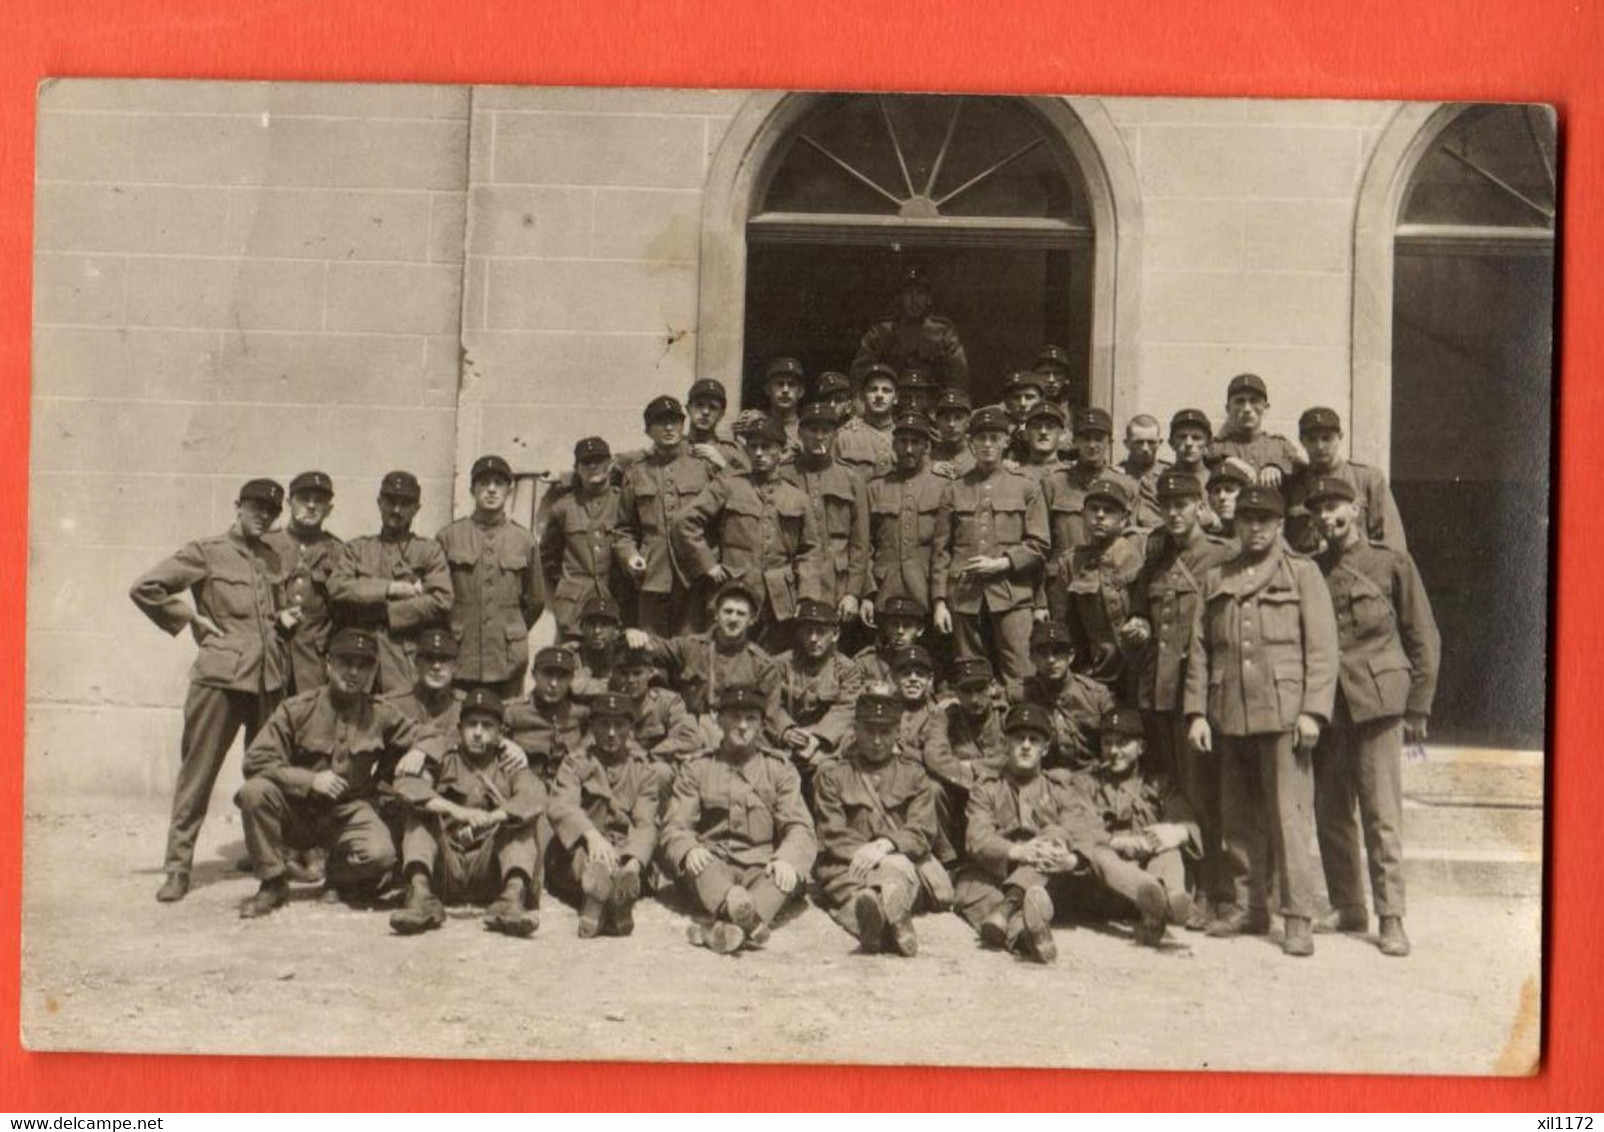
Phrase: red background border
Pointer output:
(1540, 50)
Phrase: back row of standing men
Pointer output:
(893, 506)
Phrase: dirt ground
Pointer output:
(107, 968)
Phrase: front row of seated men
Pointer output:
(340, 770)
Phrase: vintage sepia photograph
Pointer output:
(777, 576)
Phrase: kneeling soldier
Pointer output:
(1028, 829)
(604, 817)
(738, 837)
(471, 829)
(877, 823)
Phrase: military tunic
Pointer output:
(576, 554)
(1382, 522)
(903, 511)
(665, 730)
(896, 342)
(499, 595)
(819, 696)
(1145, 511)
(1077, 705)
(1092, 597)
(359, 589)
(440, 713)
(1259, 451)
(655, 494)
(699, 668)
(1131, 804)
(840, 507)
(308, 559)
(865, 448)
(858, 804)
(615, 796)
(1064, 494)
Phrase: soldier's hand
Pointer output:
(719, 574)
(783, 874)
(202, 626)
(637, 638)
(513, 757)
(1199, 735)
(987, 566)
(1308, 733)
(697, 860)
(1128, 845)
(1040, 613)
(795, 738)
(1244, 467)
(866, 612)
(636, 565)
(1165, 835)
(1414, 728)
(711, 454)
(869, 854)
(848, 608)
(600, 849)
(399, 590)
(1135, 633)
(291, 617)
(412, 762)
(942, 618)
(327, 784)
(480, 819)
(1270, 476)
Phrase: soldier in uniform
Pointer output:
(864, 441)
(604, 820)
(434, 700)
(923, 740)
(1064, 489)
(900, 622)
(394, 584)
(1043, 430)
(738, 837)
(1270, 458)
(706, 404)
(991, 539)
(1029, 831)
(1164, 604)
(840, 507)
(1387, 678)
(239, 673)
(1260, 682)
(576, 544)
(917, 387)
(596, 654)
(1057, 384)
(820, 686)
(764, 533)
(1224, 487)
(1090, 590)
(656, 493)
(1190, 433)
(1075, 704)
(664, 728)
(471, 830)
(1143, 467)
(903, 506)
(548, 724)
(308, 554)
(913, 332)
(783, 384)
(499, 586)
(1321, 433)
(1021, 395)
(312, 778)
(876, 825)
(950, 457)
(834, 388)
(974, 717)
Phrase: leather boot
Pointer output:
(596, 885)
(1350, 921)
(1393, 940)
(273, 894)
(174, 888)
(994, 930)
(743, 914)
(508, 915)
(1236, 921)
(621, 901)
(871, 920)
(422, 911)
(1298, 941)
(1037, 911)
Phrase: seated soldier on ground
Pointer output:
(974, 717)
(738, 837)
(821, 686)
(664, 729)
(1030, 831)
(470, 833)
(604, 820)
(547, 723)
(1076, 704)
(877, 822)
(1151, 830)
(596, 651)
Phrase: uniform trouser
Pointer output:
(977, 894)
(308, 670)
(1363, 762)
(1010, 633)
(714, 884)
(212, 717)
(1125, 877)
(895, 878)
(679, 612)
(951, 826)
(565, 870)
(398, 671)
(361, 850)
(509, 689)
(1267, 812)
(474, 873)
(1198, 774)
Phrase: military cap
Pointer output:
(1049, 410)
(1028, 717)
(437, 642)
(735, 587)
(599, 606)
(591, 448)
(1123, 721)
(1327, 487)
(871, 708)
(1260, 500)
(665, 406)
(815, 612)
(263, 491)
(312, 481)
(916, 375)
(783, 367)
(902, 607)
(912, 656)
(912, 420)
(954, 399)
(880, 370)
(831, 382)
(1109, 490)
(1228, 472)
(708, 389)
(990, 419)
(1050, 634)
(1316, 419)
(1178, 485)
(818, 414)
(971, 670)
(913, 277)
(1193, 418)
(738, 697)
(358, 643)
(1053, 356)
(554, 657)
(612, 705)
(628, 657)
(1093, 419)
(764, 429)
(401, 485)
(482, 701)
(1247, 383)
(1022, 379)
(490, 466)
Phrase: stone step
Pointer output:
(1469, 773)
(1473, 828)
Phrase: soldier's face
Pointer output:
(1043, 434)
(1180, 515)
(1337, 517)
(1022, 400)
(1052, 662)
(783, 393)
(396, 513)
(913, 302)
(913, 684)
(666, 431)
(917, 397)
(974, 697)
(764, 455)
(1246, 411)
(351, 675)
(598, 633)
(1120, 753)
(632, 681)
(610, 733)
(593, 472)
(1322, 445)
(437, 672)
(910, 449)
(1141, 443)
(705, 414)
(987, 446)
(876, 742)
(879, 394)
(490, 491)
(741, 727)
(1103, 521)
(1026, 749)
(900, 632)
(309, 507)
(952, 424)
(816, 439)
(733, 617)
(253, 517)
(1052, 384)
(1189, 445)
(1091, 447)
(480, 733)
(1257, 531)
(1222, 499)
(552, 684)
(816, 639)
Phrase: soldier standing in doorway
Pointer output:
(914, 332)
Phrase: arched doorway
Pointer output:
(1468, 400)
(1026, 212)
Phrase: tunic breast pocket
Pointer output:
(1372, 614)
(1009, 525)
(1280, 615)
(739, 527)
(232, 592)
